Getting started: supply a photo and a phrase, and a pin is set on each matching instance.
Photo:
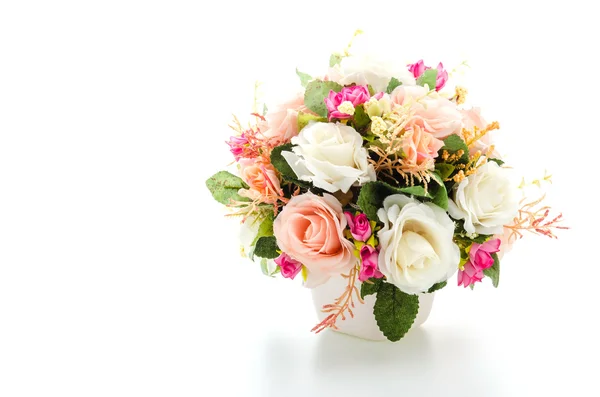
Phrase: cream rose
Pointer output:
(432, 112)
(363, 69)
(417, 249)
(331, 156)
(310, 230)
(486, 200)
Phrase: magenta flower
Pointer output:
(418, 68)
(470, 275)
(480, 258)
(236, 145)
(368, 269)
(289, 267)
(359, 226)
(354, 95)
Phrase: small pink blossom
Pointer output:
(359, 226)
(289, 267)
(418, 68)
(236, 146)
(480, 259)
(356, 95)
(470, 275)
(368, 269)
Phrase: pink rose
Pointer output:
(359, 226)
(368, 268)
(480, 259)
(310, 230)
(262, 180)
(356, 95)
(472, 118)
(419, 146)
(282, 122)
(432, 112)
(417, 69)
(289, 267)
(470, 275)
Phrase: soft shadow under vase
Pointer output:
(363, 324)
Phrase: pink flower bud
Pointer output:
(368, 268)
(289, 266)
(359, 226)
(480, 258)
(418, 68)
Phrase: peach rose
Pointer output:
(262, 179)
(310, 230)
(419, 146)
(432, 112)
(282, 122)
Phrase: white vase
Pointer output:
(363, 324)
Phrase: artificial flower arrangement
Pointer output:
(378, 176)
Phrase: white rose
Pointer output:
(486, 200)
(362, 69)
(417, 249)
(331, 156)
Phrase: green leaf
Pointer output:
(394, 83)
(497, 161)
(305, 118)
(265, 109)
(372, 194)
(334, 59)
(224, 187)
(453, 144)
(437, 286)
(445, 170)
(266, 247)
(371, 89)
(370, 289)
(266, 228)
(440, 195)
(428, 78)
(316, 92)
(418, 191)
(304, 78)
(361, 118)
(395, 311)
(280, 163)
(494, 271)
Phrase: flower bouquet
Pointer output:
(375, 181)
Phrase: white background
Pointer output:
(119, 275)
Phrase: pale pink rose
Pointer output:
(282, 122)
(262, 180)
(472, 118)
(420, 146)
(432, 112)
(508, 239)
(310, 230)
